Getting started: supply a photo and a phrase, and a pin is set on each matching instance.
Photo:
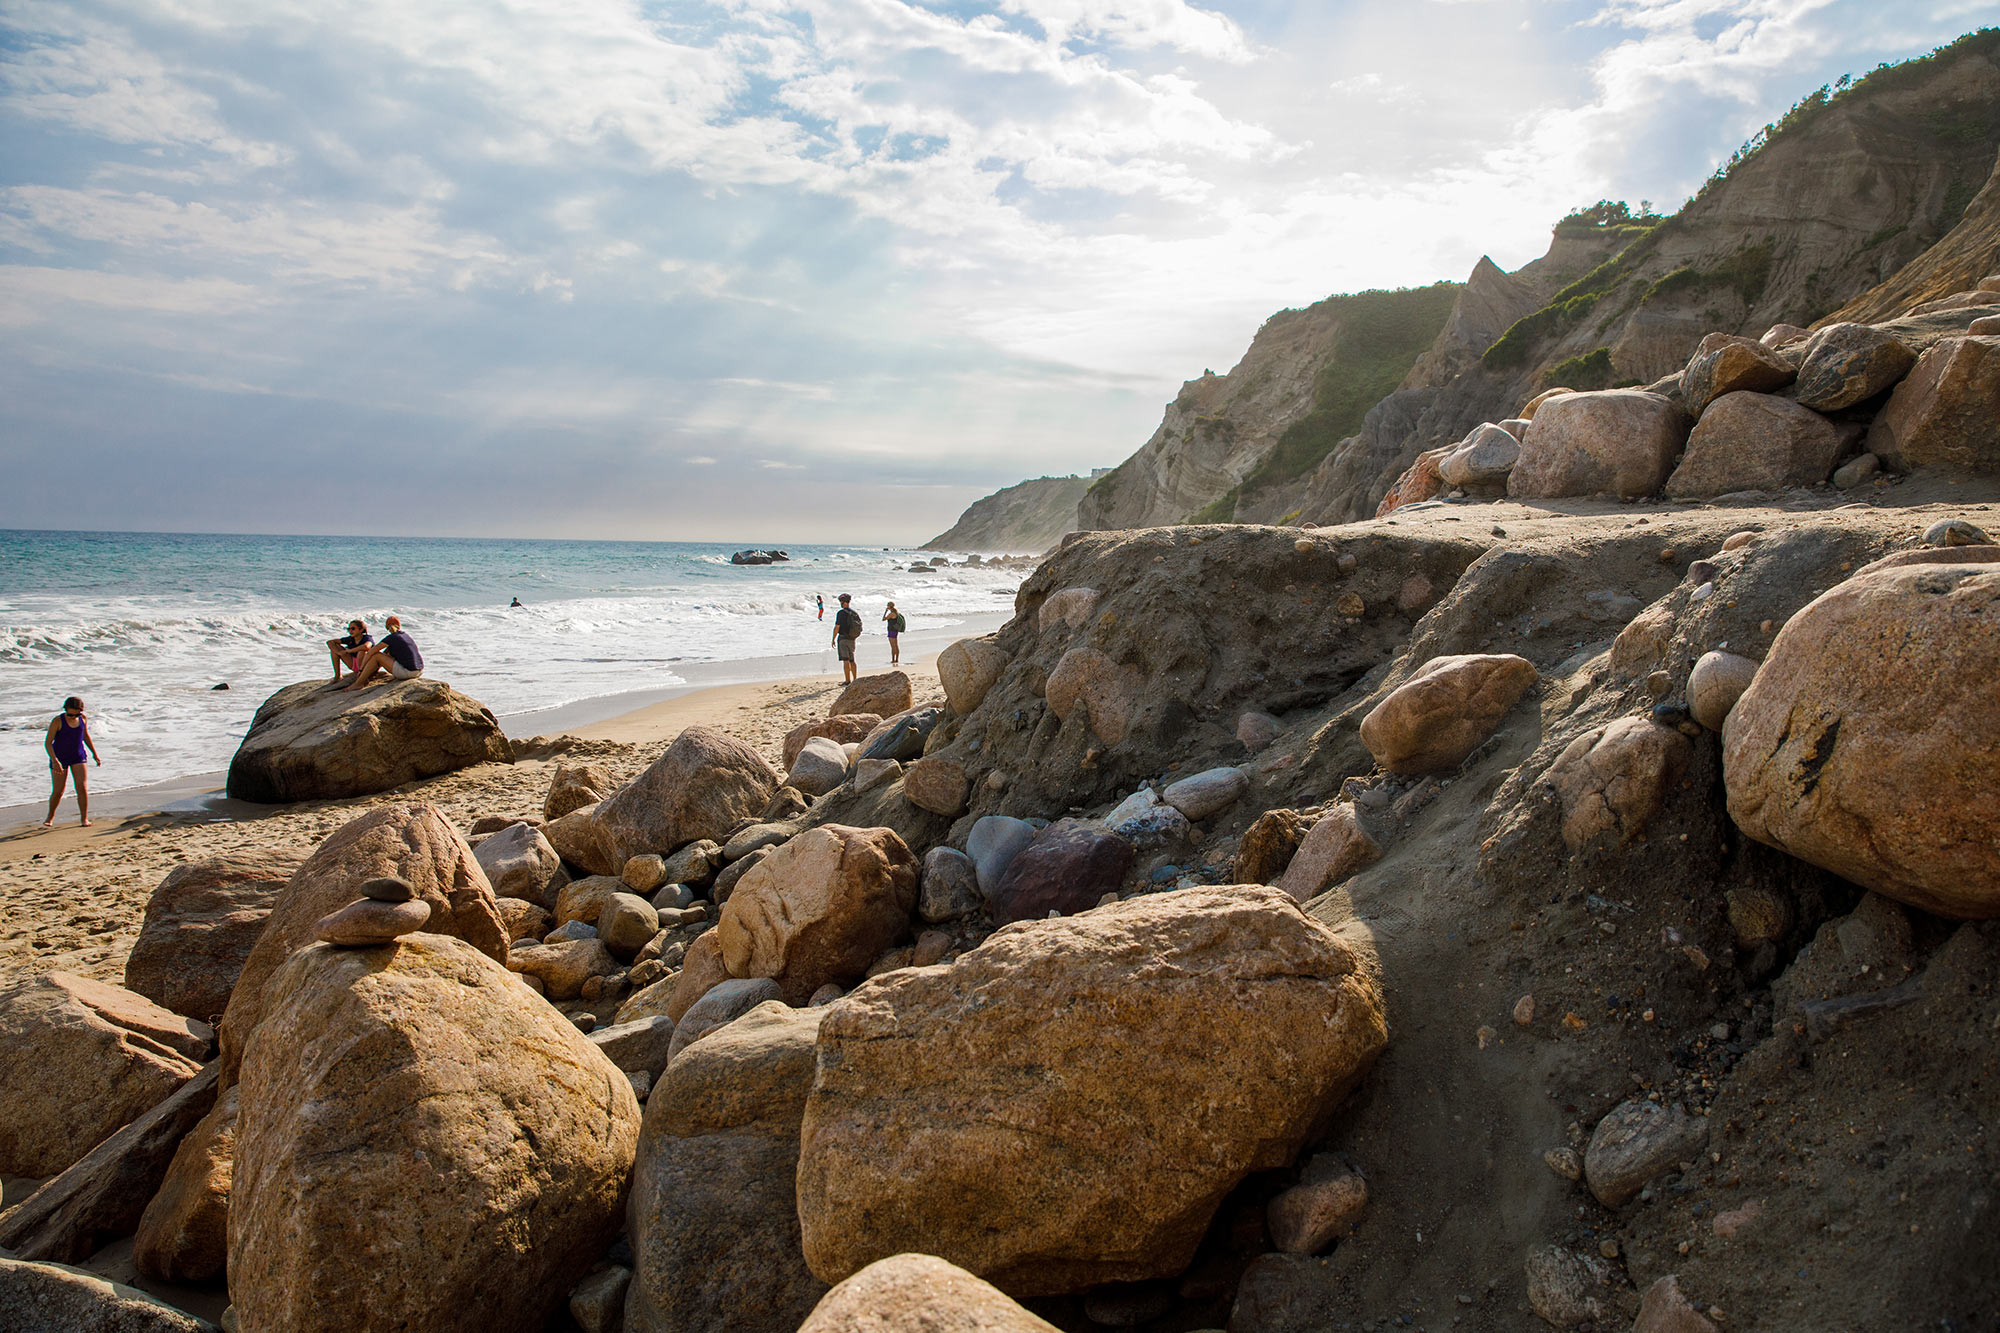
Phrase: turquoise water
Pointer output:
(141, 625)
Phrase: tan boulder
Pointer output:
(574, 788)
(1755, 441)
(1437, 718)
(1335, 848)
(845, 729)
(200, 926)
(1422, 480)
(702, 970)
(1534, 405)
(412, 841)
(1644, 640)
(585, 899)
(919, 1293)
(78, 1059)
(1868, 744)
(705, 784)
(1617, 441)
(1023, 1111)
(819, 909)
(1483, 458)
(523, 920)
(1612, 780)
(520, 862)
(311, 741)
(375, 1060)
(564, 967)
(1088, 678)
(1716, 683)
(884, 695)
(967, 670)
(937, 784)
(1946, 412)
(1268, 845)
(713, 1215)
(183, 1233)
(1725, 363)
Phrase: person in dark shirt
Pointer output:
(348, 651)
(396, 656)
(846, 629)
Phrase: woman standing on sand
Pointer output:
(894, 619)
(67, 738)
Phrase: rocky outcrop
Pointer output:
(412, 842)
(705, 784)
(713, 1215)
(1029, 516)
(1018, 1113)
(315, 741)
(423, 1051)
(1868, 743)
(819, 909)
(200, 926)
(78, 1059)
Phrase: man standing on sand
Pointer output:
(846, 629)
(396, 656)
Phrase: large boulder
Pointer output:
(819, 767)
(411, 841)
(1066, 869)
(1849, 363)
(1433, 721)
(313, 741)
(1947, 411)
(1755, 441)
(374, 1061)
(54, 1298)
(1724, 363)
(1869, 744)
(705, 784)
(1068, 1104)
(1621, 442)
(967, 670)
(200, 926)
(183, 1233)
(78, 1059)
(919, 1293)
(884, 695)
(520, 863)
(1483, 458)
(101, 1197)
(713, 1216)
(819, 909)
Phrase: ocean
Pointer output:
(143, 625)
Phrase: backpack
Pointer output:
(896, 622)
(847, 622)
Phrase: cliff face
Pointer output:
(1969, 252)
(1030, 517)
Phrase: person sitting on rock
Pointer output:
(346, 652)
(396, 656)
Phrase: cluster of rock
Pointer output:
(755, 557)
(1794, 408)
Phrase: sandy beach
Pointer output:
(76, 896)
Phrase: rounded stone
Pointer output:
(369, 921)
(388, 889)
(1716, 683)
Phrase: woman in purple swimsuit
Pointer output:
(68, 737)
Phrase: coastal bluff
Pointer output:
(313, 741)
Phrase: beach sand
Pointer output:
(75, 897)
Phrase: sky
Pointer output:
(758, 271)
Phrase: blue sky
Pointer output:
(768, 270)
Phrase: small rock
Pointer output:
(1855, 471)
(1955, 532)
(1206, 793)
(1665, 1310)
(1728, 1224)
(1346, 563)
(641, 1046)
(695, 863)
(931, 947)
(1716, 683)
(642, 1084)
(993, 844)
(825, 995)
(673, 898)
(1524, 1010)
(1257, 730)
(598, 1302)
(1333, 849)
(388, 889)
(1635, 1142)
(1736, 541)
(584, 1022)
(627, 924)
(948, 887)
(569, 932)
(1350, 605)
(723, 1004)
(643, 874)
(1566, 1288)
(874, 772)
(370, 921)
(1564, 1162)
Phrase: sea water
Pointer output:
(143, 625)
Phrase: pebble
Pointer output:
(372, 921)
(584, 1022)
(1524, 1010)
(1484, 1036)
(1350, 605)
(1564, 1162)
(389, 889)
(826, 994)
(1736, 541)
(1346, 564)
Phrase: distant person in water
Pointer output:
(514, 603)
(67, 738)
(846, 629)
(895, 622)
(350, 650)
(396, 655)
(821, 599)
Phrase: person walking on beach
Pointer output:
(396, 656)
(348, 651)
(821, 599)
(894, 620)
(67, 738)
(846, 629)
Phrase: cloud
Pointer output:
(699, 460)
